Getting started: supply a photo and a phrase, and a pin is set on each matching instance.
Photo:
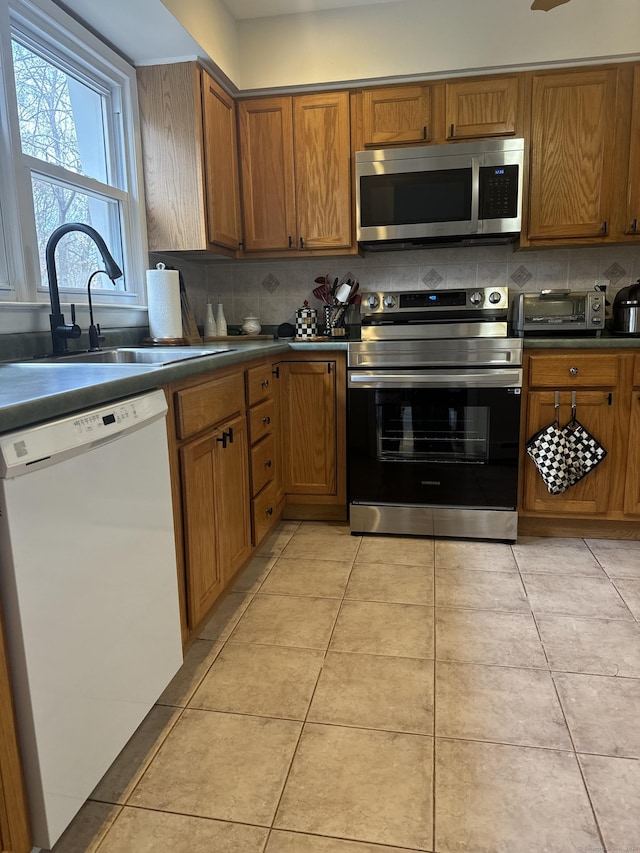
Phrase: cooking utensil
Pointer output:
(343, 293)
(321, 293)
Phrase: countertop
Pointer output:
(33, 391)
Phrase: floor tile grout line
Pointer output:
(567, 751)
(313, 692)
(109, 828)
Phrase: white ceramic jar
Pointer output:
(251, 325)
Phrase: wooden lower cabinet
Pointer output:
(215, 489)
(14, 823)
(313, 404)
(606, 502)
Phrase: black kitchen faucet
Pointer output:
(61, 331)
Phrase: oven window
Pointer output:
(414, 429)
(413, 198)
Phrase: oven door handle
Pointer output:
(475, 194)
(492, 378)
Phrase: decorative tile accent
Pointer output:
(521, 276)
(432, 278)
(271, 283)
(615, 272)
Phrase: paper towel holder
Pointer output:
(176, 341)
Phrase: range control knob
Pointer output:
(475, 298)
(389, 301)
(595, 306)
(495, 297)
(373, 301)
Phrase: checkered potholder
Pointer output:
(549, 451)
(584, 451)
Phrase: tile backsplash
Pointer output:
(273, 290)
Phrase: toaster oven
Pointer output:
(550, 312)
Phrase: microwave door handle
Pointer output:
(475, 194)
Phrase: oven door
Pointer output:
(434, 438)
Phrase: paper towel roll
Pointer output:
(163, 299)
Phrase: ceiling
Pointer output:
(245, 9)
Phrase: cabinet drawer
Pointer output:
(261, 420)
(259, 383)
(208, 404)
(262, 464)
(573, 371)
(263, 513)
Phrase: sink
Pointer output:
(155, 356)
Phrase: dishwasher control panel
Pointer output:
(46, 444)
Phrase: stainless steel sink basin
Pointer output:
(155, 356)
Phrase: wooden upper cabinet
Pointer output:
(190, 183)
(266, 158)
(479, 108)
(296, 176)
(322, 169)
(632, 218)
(396, 114)
(573, 118)
(221, 165)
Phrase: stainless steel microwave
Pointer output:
(456, 194)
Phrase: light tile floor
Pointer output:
(380, 694)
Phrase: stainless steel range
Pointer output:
(434, 392)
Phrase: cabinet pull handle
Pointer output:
(634, 225)
(452, 131)
(242, 244)
(265, 383)
(266, 421)
(573, 371)
(268, 463)
(230, 435)
(276, 373)
(604, 227)
(223, 439)
(290, 241)
(425, 134)
(301, 243)
(269, 511)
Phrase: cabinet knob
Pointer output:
(634, 225)
(268, 463)
(269, 511)
(265, 383)
(266, 421)
(573, 371)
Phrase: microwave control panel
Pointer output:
(498, 192)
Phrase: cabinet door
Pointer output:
(14, 827)
(201, 525)
(572, 154)
(632, 482)
(632, 221)
(231, 485)
(597, 416)
(221, 165)
(396, 114)
(308, 395)
(478, 108)
(266, 159)
(322, 170)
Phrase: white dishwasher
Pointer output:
(89, 592)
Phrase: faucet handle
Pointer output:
(73, 313)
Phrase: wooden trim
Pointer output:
(14, 827)
(591, 528)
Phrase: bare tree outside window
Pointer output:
(62, 123)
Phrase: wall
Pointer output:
(414, 37)
(274, 289)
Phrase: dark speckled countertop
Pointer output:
(32, 391)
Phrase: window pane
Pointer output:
(77, 256)
(61, 119)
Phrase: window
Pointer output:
(73, 144)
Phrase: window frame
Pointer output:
(42, 25)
